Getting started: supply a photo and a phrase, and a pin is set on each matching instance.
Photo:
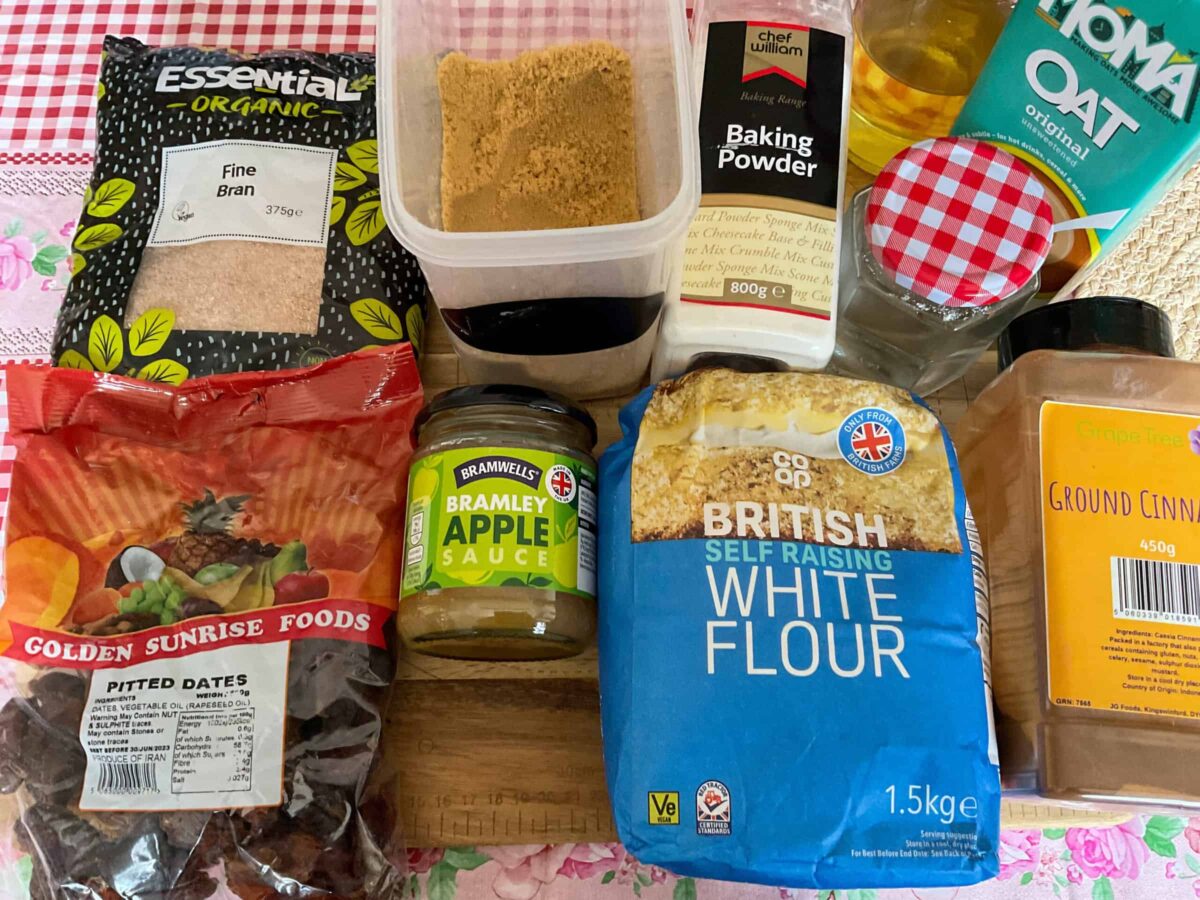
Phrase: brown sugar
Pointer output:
(545, 140)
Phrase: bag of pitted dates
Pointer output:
(200, 588)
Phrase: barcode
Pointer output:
(1156, 591)
(127, 778)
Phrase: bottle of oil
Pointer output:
(915, 61)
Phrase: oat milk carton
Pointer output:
(1100, 98)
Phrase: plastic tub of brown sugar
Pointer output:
(540, 161)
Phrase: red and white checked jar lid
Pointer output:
(960, 222)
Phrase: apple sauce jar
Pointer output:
(500, 538)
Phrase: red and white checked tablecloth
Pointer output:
(49, 62)
(50, 51)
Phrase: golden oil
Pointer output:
(915, 61)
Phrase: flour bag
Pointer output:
(793, 637)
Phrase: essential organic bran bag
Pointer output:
(233, 221)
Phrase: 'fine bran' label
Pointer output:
(244, 190)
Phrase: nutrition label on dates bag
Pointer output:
(198, 732)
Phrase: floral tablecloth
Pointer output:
(49, 56)
(1148, 857)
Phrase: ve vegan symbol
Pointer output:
(663, 807)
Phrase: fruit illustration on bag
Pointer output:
(41, 580)
(208, 569)
(208, 540)
(164, 717)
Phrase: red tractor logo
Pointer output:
(713, 809)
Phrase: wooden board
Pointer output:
(495, 760)
(496, 753)
(510, 753)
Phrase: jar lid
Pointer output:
(1102, 324)
(505, 395)
(959, 222)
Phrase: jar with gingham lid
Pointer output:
(938, 255)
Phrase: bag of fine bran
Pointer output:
(233, 221)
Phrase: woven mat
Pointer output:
(1161, 263)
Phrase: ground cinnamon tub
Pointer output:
(1081, 461)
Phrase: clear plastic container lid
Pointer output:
(412, 37)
